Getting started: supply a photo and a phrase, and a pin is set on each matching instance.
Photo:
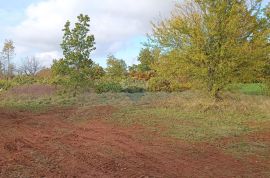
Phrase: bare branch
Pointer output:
(30, 66)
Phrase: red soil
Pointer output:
(47, 145)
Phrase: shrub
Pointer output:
(134, 89)
(158, 84)
(5, 85)
(23, 80)
(108, 87)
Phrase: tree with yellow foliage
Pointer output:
(216, 42)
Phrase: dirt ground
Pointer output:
(48, 145)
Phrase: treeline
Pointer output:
(29, 65)
(204, 44)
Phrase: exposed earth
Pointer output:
(50, 145)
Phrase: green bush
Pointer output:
(134, 89)
(5, 85)
(133, 86)
(108, 87)
(24, 80)
(159, 84)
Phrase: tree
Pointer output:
(97, 72)
(267, 65)
(116, 68)
(145, 58)
(217, 42)
(144, 71)
(30, 66)
(77, 46)
(1, 69)
(8, 53)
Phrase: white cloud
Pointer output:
(113, 22)
(47, 58)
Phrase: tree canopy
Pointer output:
(7, 54)
(77, 46)
(217, 42)
(116, 68)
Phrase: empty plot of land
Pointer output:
(49, 145)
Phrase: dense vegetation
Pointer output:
(199, 94)
(215, 46)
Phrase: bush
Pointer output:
(5, 85)
(108, 87)
(133, 89)
(158, 84)
(24, 80)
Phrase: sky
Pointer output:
(119, 26)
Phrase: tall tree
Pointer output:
(146, 58)
(8, 53)
(77, 46)
(116, 68)
(217, 42)
(267, 66)
(1, 69)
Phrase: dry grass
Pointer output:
(190, 116)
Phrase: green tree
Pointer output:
(97, 72)
(133, 68)
(168, 76)
(77, 46)
(116, 68)
(217, 42)
(146, 58)
(267, 66)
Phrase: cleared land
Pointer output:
(134, 135)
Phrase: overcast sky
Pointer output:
(119, 26)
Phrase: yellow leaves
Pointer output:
(214, 41)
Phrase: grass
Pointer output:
(190, 116)
(249, 89)
(250, 148)
(197, 119)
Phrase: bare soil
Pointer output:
(32, 90)
(49, 145)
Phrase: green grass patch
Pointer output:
(36, 104)
(249, 89)
(193, 123)
(246, 148)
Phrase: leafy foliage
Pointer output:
(217, 41)
(77, 46)
(104, 87)
(144, 70)
(97, 72)
(147, 58)
(116, 68)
